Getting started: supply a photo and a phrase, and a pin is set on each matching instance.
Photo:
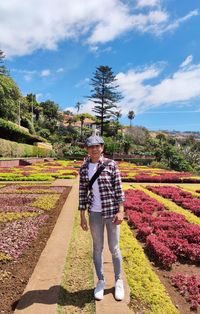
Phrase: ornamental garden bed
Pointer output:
(28, 214)
(170, 236)
(68, 169)
(161, 244)
(46, 171)
(133, 173)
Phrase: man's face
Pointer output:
(95, 151)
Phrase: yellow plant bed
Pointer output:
(170, 205)
(146, 288)
(190, 188)
(126, 186)
(46, 202)
(29, 192)
(4, 217)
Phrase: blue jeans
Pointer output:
(97, 223)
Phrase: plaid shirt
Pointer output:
(110, 188)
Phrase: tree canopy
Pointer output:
(9, 96)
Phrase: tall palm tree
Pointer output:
(78, 106)
(131, 116)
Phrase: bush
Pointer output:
(160, 165)
(13, 149)
(140, 161)
(197, 170)
(111, 145)
(74, 151)
(10, 131)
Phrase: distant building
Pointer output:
(71, 119)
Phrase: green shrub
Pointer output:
(74, 151)
(140, 161)
(10, 131)
(160, 165)
(197, 170)
(13, 149)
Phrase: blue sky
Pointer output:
(153, 46)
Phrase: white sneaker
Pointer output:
(99, 290)
(119, 290)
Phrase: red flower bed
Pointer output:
(180, 197)
(160, 251)
(167, 235)
(141, 202)
(148, 174)
(189, 286)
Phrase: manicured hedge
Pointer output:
(9, 130)
(13, 149)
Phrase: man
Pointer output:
(104, 202)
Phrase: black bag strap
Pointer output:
(97, 173)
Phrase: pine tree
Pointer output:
(104, 95)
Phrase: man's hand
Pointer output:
(118, 218)
(84, 224)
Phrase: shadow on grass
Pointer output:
(54, 295)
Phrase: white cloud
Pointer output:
(27, 74)
(187, 61)
(139, 95)
(175, 24)
(147, 3)
(41, 24)
(45, 73)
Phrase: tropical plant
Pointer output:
(78, 106)
(131, 116)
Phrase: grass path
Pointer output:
(76, 293)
